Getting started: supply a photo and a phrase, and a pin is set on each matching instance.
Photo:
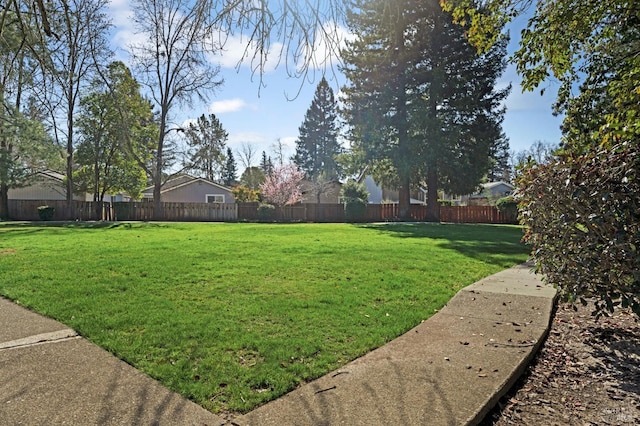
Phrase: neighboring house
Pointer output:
(329, 192)
(46, 185)
(488, 194)
(380, 195)
(189, 189)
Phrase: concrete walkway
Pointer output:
(449, 370)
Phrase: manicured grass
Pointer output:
(233, 315)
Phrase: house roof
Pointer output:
(51, 174)
(181, 181)
(490, 185)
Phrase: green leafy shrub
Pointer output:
(509, 206)
(46, 212)
(355, 210)
(266, 211)
(355, 198)
(242, 194)
(582, 214)
(445, 203)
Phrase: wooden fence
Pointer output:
(305, 212)
(62, 210)
(475, 214)
(176, 212)
(212, 212)
(390, 212)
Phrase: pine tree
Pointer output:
(230, 171)
(420, 97)
(206, 140)
(501, 163)
(317, 146)
(266, 164)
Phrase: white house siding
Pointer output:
(375, 192)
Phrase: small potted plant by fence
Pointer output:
(46, 212)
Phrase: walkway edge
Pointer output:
(450, 370)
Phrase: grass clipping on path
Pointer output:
(234, 315)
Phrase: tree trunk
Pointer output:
(69, 169)
(157, 173)
(4, 201)
(404, 199)
(157, 202)
(433, 208)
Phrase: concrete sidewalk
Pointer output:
(449, 370)
(50, 376)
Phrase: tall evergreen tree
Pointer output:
(266, 164)
(501, 163)
(206, 139)
(421, 98)
(317, 146)
(230, 171)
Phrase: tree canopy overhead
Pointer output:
(591, 47)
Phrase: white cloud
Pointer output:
(121, 13)
(239, 51)
(254, 138)
(122, 17)
(327, 43)
(228, 105)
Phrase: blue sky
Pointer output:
(259, 116)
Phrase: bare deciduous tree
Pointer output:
(76, 44)
(247, 153)
(172, 62)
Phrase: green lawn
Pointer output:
(233, 315)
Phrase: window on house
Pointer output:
(215, 198)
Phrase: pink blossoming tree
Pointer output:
(282, 187)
